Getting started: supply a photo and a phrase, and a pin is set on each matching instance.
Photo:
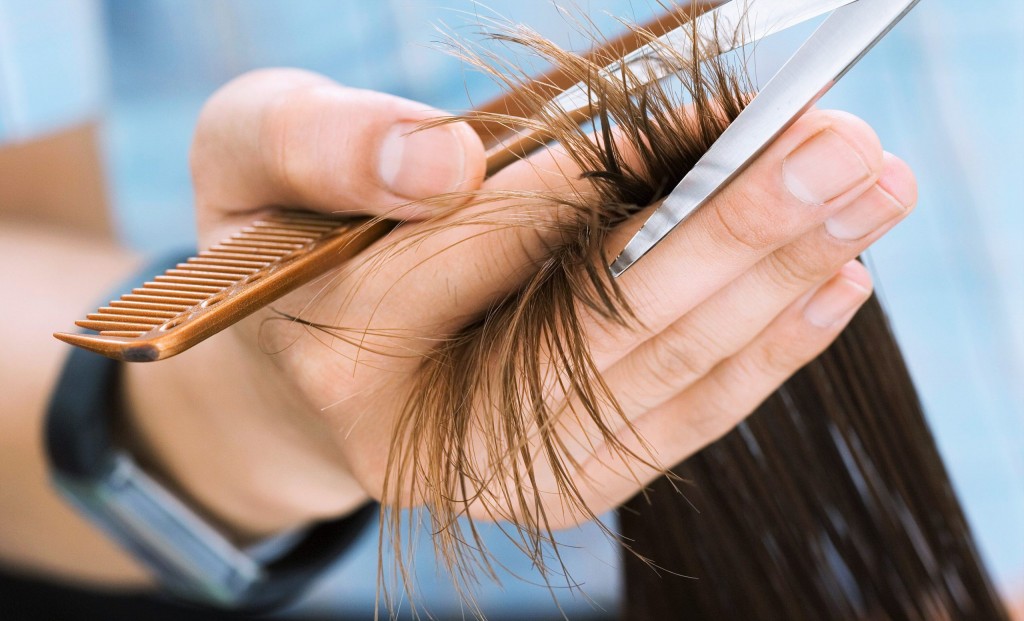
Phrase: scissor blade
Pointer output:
(726, 28)
(845, 37)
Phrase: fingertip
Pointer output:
(830, 155)
(451, 165)
(899, 181)
(332, 148)
(854, 130)
(858, 275)
(421, 159)
(475, 157)
(839, 298)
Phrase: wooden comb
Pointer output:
(281, 252)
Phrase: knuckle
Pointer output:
(679, 356)
(243, 117)
(282, 142)
(775, 356)
(718, 415)
(739, 222)
(779, 357)
(202, 152)
(796, 270)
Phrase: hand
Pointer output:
(751, 288)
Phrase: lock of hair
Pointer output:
(196, 299)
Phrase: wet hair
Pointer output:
(830, 502)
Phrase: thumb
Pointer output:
(290, 137)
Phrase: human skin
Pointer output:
(264, 427)
(736, 300)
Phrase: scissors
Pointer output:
(846, 36)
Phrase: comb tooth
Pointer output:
(181, 287)
(183, 303)
(285, 229)
(149, 304)
(138, 312)
(216, 283)
(117, 317)
(170, 290)
(265, 225)
(270, 240)
(275, 235)
(245, 254)
(209, 273)
(233, 260)
(271, 254)
(170, 293)
(206, 262)
(264, 240)
(200, 265)
(259, 245)
(275, 254)
(309, 219)
(115, 345)
(102, 326)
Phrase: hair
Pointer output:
(831, 502)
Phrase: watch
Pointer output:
(184, 552)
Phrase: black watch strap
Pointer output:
(185, 553)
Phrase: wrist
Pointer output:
(223, 429)
(191, 532)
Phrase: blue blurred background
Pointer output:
(945, 91)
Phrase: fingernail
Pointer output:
(418, 164)
(823, 168)
(834, 301)
(869, 213)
